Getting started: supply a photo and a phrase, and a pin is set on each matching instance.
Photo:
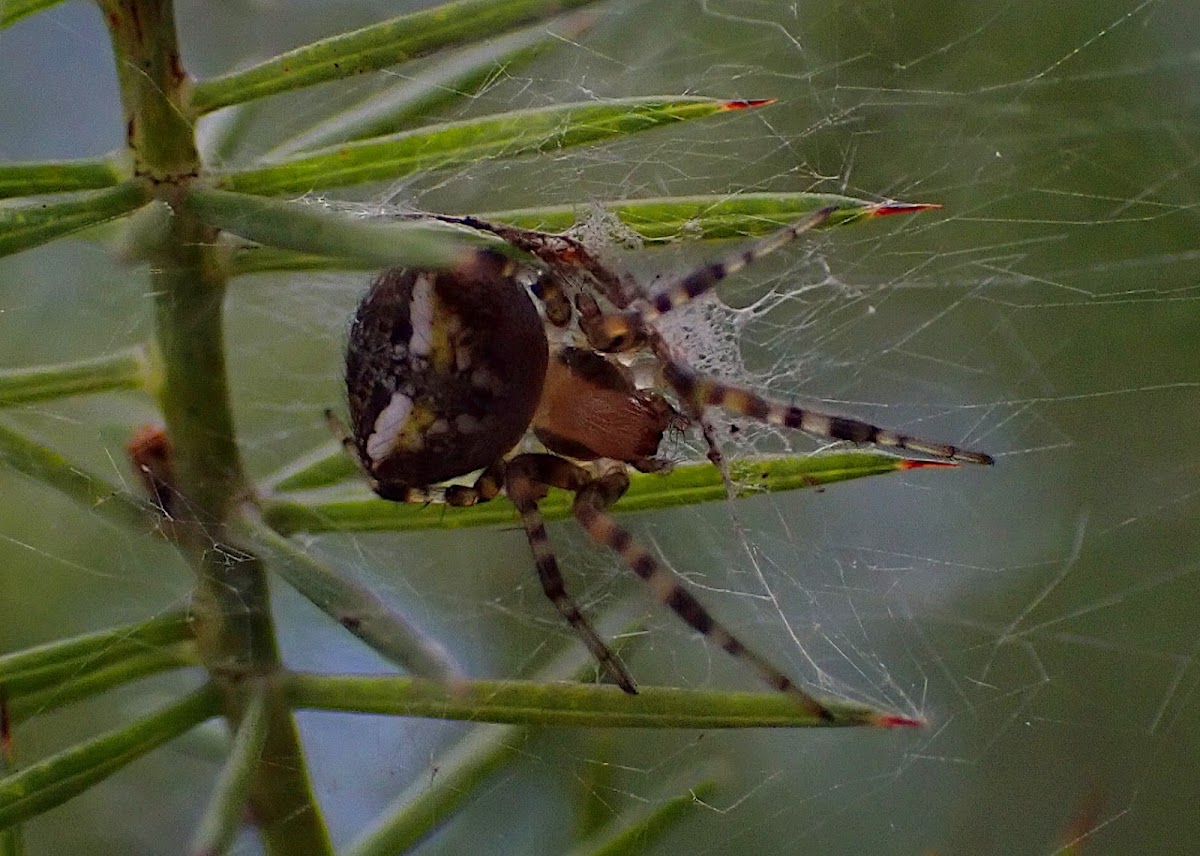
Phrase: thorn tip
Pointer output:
(892, 720)
(885, 208)
(746, 103)
(916, 464)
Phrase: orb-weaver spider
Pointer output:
(448, 373)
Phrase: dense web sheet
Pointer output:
(1041, 615)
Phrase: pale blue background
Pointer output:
(1042, 614)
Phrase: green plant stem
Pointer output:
(231, 608)
(88, 682)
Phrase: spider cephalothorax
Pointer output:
(451, 373)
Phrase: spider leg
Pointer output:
(630, 327)
(525, 481)
(339, 430)
(705, 390)
(562, 254)
(673, 294)
(592, 321)
(548, 289)
(485, 488)
(590, 508)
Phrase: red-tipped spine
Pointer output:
(914, 464)
(892, 720)
(747, 103)
(885, 208)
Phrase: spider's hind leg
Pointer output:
(592, 501)
(525, 480)
(593, 496)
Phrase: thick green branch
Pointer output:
(231, 607)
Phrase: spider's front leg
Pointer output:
(738, 401)
(620, 331)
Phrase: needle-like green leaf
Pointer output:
(708, 217)
(28, 224)
(89, 682)
(295, 225)
(14, 10)
(34, 178)
(678, 218)
(55, 780)
(12, 838)
(631, 837)
(442, 83)
(687, 484)
(126, 369)
(46, 665)
(571, 704)
(457, 775)
(227, 809)
(452, 144)
(354, 606)
(375, 47)
(88, 489)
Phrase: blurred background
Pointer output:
(1042, 615)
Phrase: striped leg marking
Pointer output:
(525, 490)
(674, 294)
(589, 508)
(741, 402)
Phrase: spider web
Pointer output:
(1042, 615)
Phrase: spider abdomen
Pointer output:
(444, 371)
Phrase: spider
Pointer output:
(451, 373)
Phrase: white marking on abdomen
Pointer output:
(388, 424)
(420, 315)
